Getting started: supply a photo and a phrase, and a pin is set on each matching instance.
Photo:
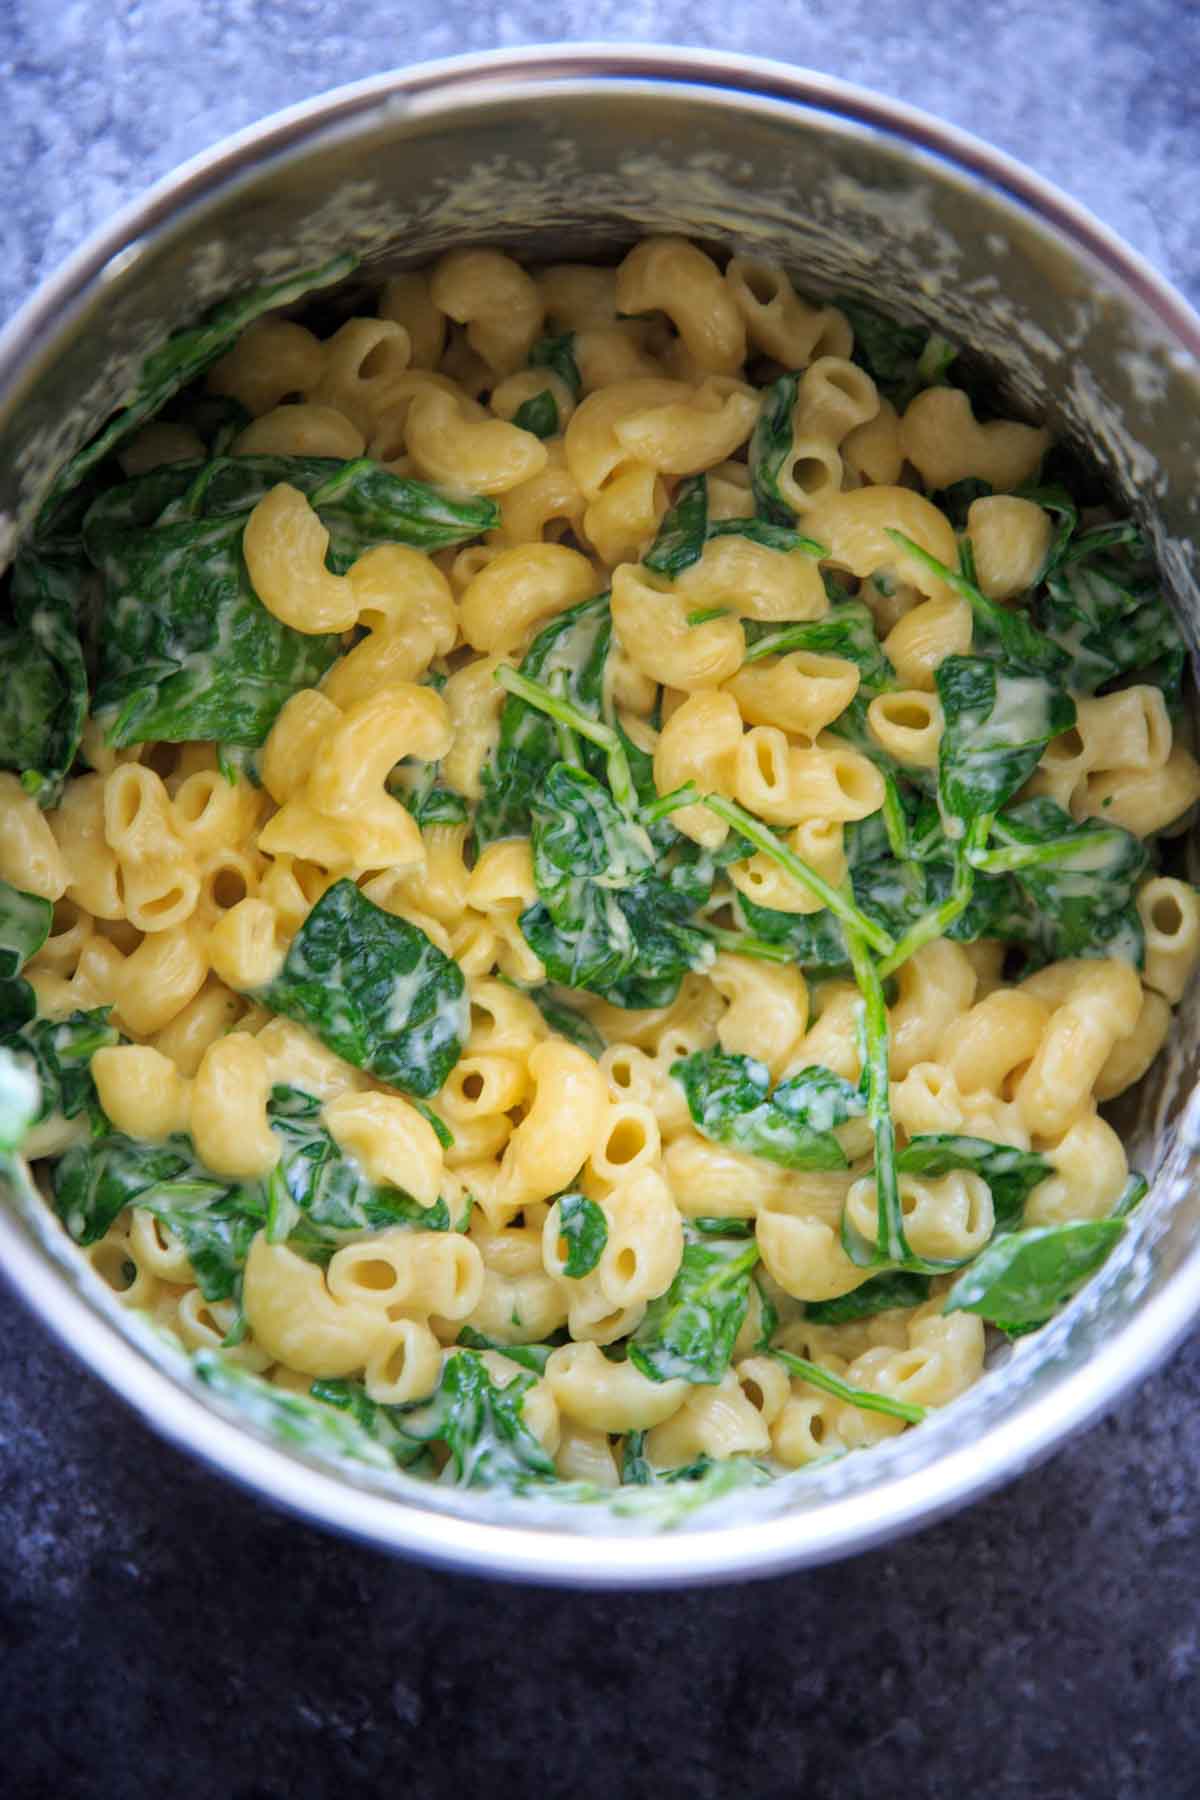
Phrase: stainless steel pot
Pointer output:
(578, 151)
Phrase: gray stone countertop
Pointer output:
(161, 1633)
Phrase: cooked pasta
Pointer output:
(581, 925)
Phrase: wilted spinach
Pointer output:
(996, 727)
(59, 1052)
(900, 359)
(689, 1331)
(583, 1227)
(375, 990)
(1078, 881)
(1023, 1277)
(1104, 606)
(185, 355)
(188, 649)
(568, 655)
(731, 1101)
(882, 1293)
(1011, 1174)
(558, 355)
(43, 700)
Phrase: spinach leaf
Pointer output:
(770, 448)
(1011, 1174)
(583, 1227)
(864, 1398)
(568, 655)
(375, 990)
(996, 727)
(529, 1356)
(603, 920)
(847, 630)
(188, 650)
(689, 1331)
(59, 1052)
(1103, 605)
(681, 536)
(635, 1469)
(768, 536)
(729, 1100)
(432, 805)
(581, 839)
(815, 941)
(24, 927)
(538, 414)
(45, 689)
(481, 1424)
(316, 1195)
(382, 1424)
(1079, 881)
(184, 356)
(1023, 1277)
(881, 1294)
(1002, 634)
(956, 500)
(558, 355)
(95, 1181)
(568, 1023)
(20, 1098)
(900, 359)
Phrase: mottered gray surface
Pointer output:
(162, 1633)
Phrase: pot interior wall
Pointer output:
(565, 171)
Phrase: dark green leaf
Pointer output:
(530, 1356)
(1022, 1279)
(584, 1229)
(768, 536)
(1104, 606)
(770, 448)
(568, 655)
(59, 1052)
(374, 990)
(900, 359)
(24, 927)
(480, 1424)
(635, 1469)
(881, 1294)
(184, 356)
(538, 414)
(94, 1181)
(864, 1398)
(558, 355)
(1011, 1174)
(689, 1331)
(331, 1200)
(996, 727)
(568, 1023)
(1078, 881)
(956, 501)
(847, 630)
(44, 694)
(681, 536)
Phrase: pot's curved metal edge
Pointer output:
(520, 1553)
(458, 78)
(620, 1560)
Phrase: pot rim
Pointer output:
(855, 1522)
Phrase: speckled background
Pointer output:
(162, 1634)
